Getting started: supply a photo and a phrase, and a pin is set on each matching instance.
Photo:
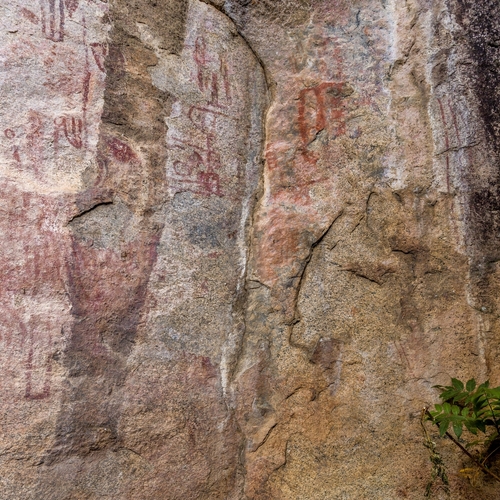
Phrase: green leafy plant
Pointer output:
(469, 415)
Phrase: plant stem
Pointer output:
(479, 464)
(493, 415)
(488, 456)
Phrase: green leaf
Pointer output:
(485, 412)
(465, 411)
(468, 400)
(480, 425)
(457, 429)
(447, 407)
(443, 427)
(470, 385)
(494, 393)
(479, 402)
(448, 394)
(439, 408)
(457, 384)
(460, 396)
(455, 410)
(471, 427)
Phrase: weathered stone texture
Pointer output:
(241, 240)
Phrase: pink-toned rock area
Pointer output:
(240, 241)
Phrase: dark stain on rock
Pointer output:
(115, 235)
(328, 356)
(480, 21)
(204, 236)
(440, 70)
(326, 353)
(485, 205)
(288, 13)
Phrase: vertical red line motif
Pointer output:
(99, 51)
(318, 122)
(86, 82)
(225, 76)
(34, 139)
(73, 131)
(200, 57)
(52, 14)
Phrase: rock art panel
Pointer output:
(214, 140)
(140, 187)
(48, 139)
(359, 263)
(193, 311)
(323, 152)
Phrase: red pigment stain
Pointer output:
(72, 128)
(30, 16)
(99, 51)
(121, 151)
(319, 106)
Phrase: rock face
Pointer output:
(241, 240)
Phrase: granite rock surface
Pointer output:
(241, 240)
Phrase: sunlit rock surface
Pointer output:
(241, 240)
